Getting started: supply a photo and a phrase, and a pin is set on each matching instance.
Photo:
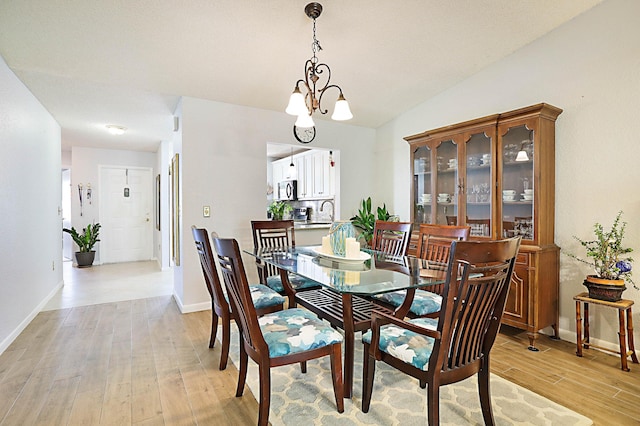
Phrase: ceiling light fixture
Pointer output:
(116, 130)
(292, 167)
(304, 105)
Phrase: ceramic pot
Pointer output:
(602, 289)
(85, 259)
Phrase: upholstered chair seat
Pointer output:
(424, 302)
(295, 330)
(297, 282)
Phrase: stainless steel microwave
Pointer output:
(288, 190)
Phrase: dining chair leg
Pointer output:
(423, 384)
(336, 375)
(484, 390)
(265, 395)
(303, 367)
(433, 404)
(226, 341)
(242, 373)
(368, 372)
(214, 328)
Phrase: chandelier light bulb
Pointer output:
(341, 111)
(305, 121)
(296, 103)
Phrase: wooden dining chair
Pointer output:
(391, 237)
(457, 344)
(274, 234)
(264, 299)
(479, 227)
(280, 338)
(434, 245)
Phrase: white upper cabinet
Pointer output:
(321, 187)
(312, 171)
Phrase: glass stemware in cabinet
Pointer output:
(517, 177)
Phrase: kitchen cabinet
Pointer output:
(321, 179)
(312, 171)
(304, 164)
(497, 175)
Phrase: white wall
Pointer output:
(30, 196)
(223, 152)
(85, 170)
(590, 68)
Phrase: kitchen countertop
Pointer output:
(311, 225)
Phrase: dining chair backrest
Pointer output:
(472, 308)
(209, 270)
(391, 237)
(434, 241)
(270, 234)
(235, 280)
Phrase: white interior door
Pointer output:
(126, 196)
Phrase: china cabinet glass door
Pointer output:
(517, 183)
(422, 198)
(478, 187)
(446, 183)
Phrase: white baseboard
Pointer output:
(195, 307)
(15, 333)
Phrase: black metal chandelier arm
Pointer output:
(322, 92)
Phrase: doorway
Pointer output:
(126, 196)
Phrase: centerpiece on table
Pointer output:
(610, 260)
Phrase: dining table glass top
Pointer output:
(379, 273)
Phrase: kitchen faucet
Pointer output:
(333, 208)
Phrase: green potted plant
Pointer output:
(365, 220)
(85, 242)
(278, 209)
(610, 260)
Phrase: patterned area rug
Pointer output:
(307, 399)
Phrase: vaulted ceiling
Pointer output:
(92, 63)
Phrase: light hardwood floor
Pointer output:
(141, 362)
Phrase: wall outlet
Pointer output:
(206, 211)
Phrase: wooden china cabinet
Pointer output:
(497, 175)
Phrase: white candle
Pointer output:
(326, 245)
(352, 277)
(352, 248)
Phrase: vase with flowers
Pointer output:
(610, 260)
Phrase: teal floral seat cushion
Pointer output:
(263, 296)
(295, 330)
(424, 302)
(409, 347)
(297, 282)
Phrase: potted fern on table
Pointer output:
(85, 242)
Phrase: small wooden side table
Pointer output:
(625, 333)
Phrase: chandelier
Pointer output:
(304, 105)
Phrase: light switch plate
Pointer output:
(206, 211)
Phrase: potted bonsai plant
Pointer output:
(278, 209)
(85, 242)
(610, 260)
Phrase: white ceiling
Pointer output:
(92, 63)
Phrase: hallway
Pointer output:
(110, 283)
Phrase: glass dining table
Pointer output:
(345, 287)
